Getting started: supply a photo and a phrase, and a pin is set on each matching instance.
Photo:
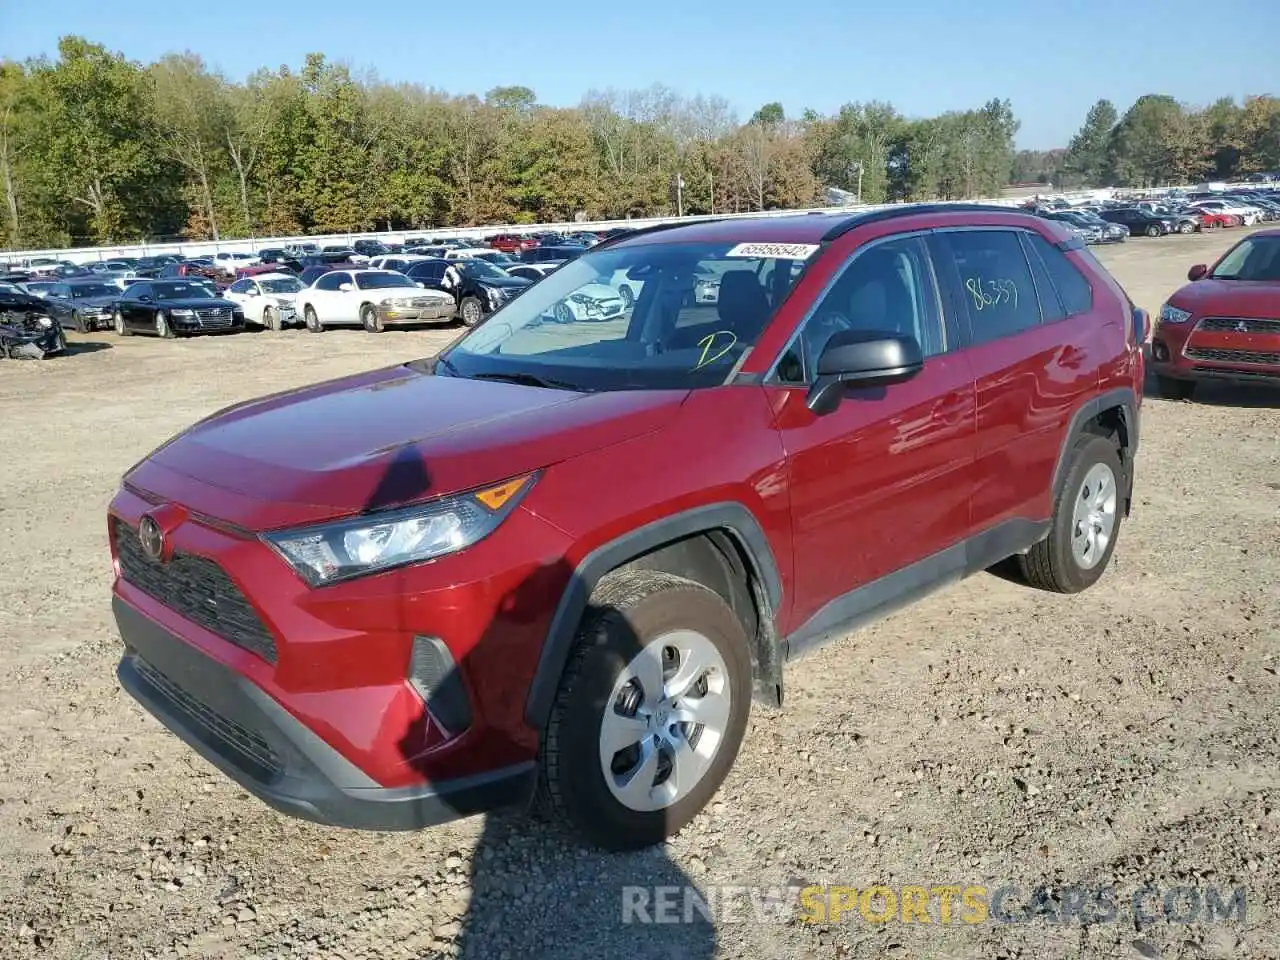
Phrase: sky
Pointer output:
(1052, 60)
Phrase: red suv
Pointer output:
(561, 559)
(1225, 323)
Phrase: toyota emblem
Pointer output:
(151, 537)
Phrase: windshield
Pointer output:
(94, 290)
(280, 285)
(1257, 258)
(382, 280)
(691, 311)
(481, 269)
(180, 291)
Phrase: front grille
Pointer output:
(213, 318)
(1232, 325)
(1271, 358)
(198, 589)
(238, 743)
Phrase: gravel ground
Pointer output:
(989, 736)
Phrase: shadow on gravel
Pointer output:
(535, 891)
(1220, 393)
(75, 347)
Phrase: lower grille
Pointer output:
(1234, 324)
(238, 743)
(198, 589)
(1268, 357)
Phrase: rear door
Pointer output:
(1032, 362)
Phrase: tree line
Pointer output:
(1160, 142)
(97, 148)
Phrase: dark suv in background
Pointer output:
(561, 559)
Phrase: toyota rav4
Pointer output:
(556, 564)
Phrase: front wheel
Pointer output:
(121, 329)
(1186, 227)
(471, 311)
(370, 320)
(1153, 231)
(313, 321)
(163, 329)
(1086, 521)
(270, 319)
(628, 296)
(650, 712)
(78, 322)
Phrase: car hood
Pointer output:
(1229, 298)
(504, 281)
(106, 300)
(193, 303)
(383, 438)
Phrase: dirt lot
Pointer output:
(989, 736)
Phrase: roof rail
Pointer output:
(655, 228)
(911, 209)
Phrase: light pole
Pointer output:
(855, 166)
(679, 179)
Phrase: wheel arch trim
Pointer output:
(1125, 399)
(732, 517)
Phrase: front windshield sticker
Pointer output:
(784, 251)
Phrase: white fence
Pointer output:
(205, 247)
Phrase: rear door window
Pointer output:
(1072, 287)
(992, 282)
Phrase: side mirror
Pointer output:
(345, 287)
(1197, 272)
(144, 297)
(861, 358)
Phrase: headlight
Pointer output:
(373, 543)
(45, 322)
(1170, 314)
(182, 312)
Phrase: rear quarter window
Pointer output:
(1075, 293)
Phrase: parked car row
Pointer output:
(1188, 212)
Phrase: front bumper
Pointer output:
(1199, 350)
(436, 313)
(254, 740)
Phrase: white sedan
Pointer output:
(591, 301)
(229, 262)
(374, 299)
(267, 299)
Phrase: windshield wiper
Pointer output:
(530, 380)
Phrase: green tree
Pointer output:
(1088, 155)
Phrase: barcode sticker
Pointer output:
(783, 251)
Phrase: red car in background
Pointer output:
(1213, 219)
(511, 242)
(1225, 323)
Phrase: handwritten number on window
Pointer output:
(988, 294)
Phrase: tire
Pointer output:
(471, 311)
(1090, 499)
(313, 321)
(628, 296)
(121, 329)
(78, 323)
(271, 319)
(634, 617)
(163, 330)
(1153, 231)
(1172, 388)
(562, 313)
(1187, 227)
(370, 320)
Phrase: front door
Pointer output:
(880, 487)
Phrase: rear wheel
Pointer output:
(313, 321)
(650, 713)
(1086, 521)
(1175, 389)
